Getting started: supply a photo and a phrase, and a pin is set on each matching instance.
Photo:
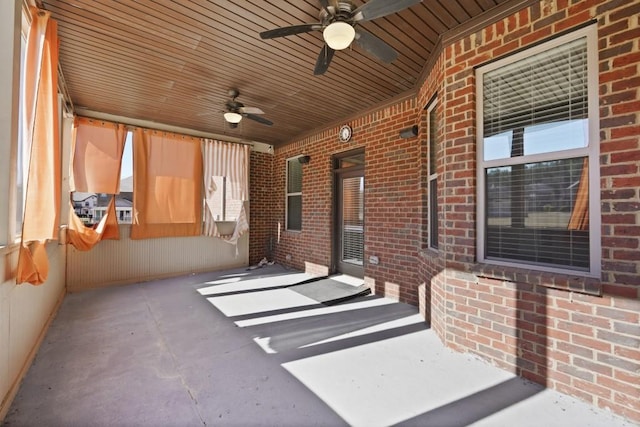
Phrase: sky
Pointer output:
(126, 169)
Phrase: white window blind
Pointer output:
(353, 220)
(534, 158)
(544, 88)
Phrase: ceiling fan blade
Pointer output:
(289, 31)
(376, 47)
(258, 119)
(378, 8)
(251, 110)
(323, 61)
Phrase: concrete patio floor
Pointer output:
(236, 348)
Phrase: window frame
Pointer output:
(591, 151)
(227, 205)
(18, 163)
(287, 194)
(432, 176)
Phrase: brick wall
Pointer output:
(542, 326)
(261, 207)
(431, 261)
(392, 196)
(528, 322)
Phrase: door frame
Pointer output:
(339, 174)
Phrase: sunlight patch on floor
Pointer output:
(259, 301)
(392, 380)
(348, 280)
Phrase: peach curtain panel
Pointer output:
(95, 168)
(96, 156)
(580, 215)
(230, 160)
(85, 238)
(167, 185)
(40, 132)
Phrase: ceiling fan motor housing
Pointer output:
(234, 106)
(343, 13)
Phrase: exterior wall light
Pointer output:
(409, 132)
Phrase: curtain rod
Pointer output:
(256, 145)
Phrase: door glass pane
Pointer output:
(352, 226)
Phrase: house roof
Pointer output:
(79, 196)
(126, 185)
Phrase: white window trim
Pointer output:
(432, 175)
(592, 151)
(287, 194)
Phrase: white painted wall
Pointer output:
(116, 262)
(25, 312)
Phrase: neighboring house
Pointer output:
(84, 205)
(124, 211)
(126, 188)
(90, 207)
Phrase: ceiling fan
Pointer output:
(235, 111)
(338, 20)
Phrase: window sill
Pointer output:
(566, 282)
(9, 249)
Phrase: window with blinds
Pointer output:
(533, 157)
(294, 195)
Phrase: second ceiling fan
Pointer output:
(338, 21)
(235, 111)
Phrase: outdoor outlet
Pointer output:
(374, 260)
(288, 257)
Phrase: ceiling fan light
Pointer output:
(232, 117)
(339, 35)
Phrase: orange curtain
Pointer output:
(41, 134)
(96, 159)
(167, 179)
(96, 156)
(580, 215)
(84, 238)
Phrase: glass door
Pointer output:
(349, 230)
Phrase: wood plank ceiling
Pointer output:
(173, 61)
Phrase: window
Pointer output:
(22, 151)
(90, 207)
(433, 175)
(223, 207)
(538, 156)
(294, 195)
